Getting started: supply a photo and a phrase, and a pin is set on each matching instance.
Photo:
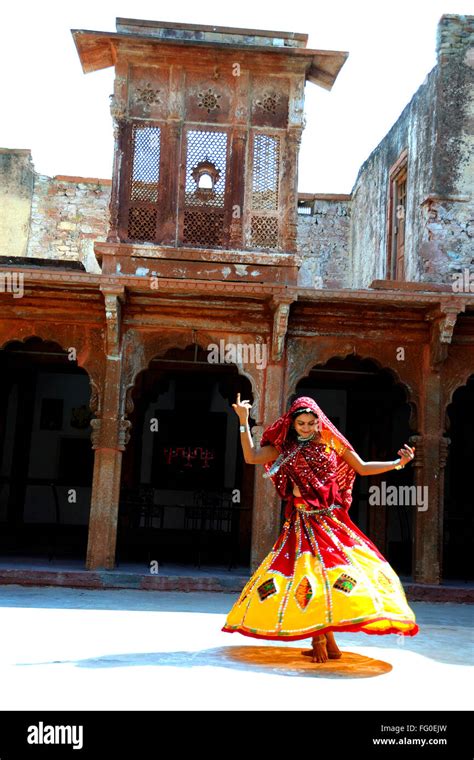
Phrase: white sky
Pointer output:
(62, 115)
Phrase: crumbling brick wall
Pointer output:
(324, 243)
(68, 215)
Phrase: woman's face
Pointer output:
(306, 424)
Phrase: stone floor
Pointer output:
(72, 649)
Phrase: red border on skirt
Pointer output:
(358, 628)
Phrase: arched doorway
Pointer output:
(371, 409)
(458, 528)
(186, 494)
(46, 458)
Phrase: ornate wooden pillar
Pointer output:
(266, 505)
(290, 189)
(109, 438)
(236, 210)
(431, 450)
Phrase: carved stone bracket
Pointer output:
(94, 401)
(281, 312)
(113, 300)
(129, 405)
(442, 328)
(118, 109)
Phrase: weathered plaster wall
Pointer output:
(436, 128)
(448, 215)
(415, 130)
(16, 189)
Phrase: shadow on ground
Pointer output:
(289, 661)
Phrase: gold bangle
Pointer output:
(399, 466)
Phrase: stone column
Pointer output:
(109, 438)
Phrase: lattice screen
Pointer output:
(203, 228)
(144, 184)
(265, 191)
(204, 207)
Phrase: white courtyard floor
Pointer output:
(73, 649)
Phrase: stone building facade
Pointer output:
(365, 301)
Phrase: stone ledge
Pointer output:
(121, 579)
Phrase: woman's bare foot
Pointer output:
(334, 653)
(320, 653)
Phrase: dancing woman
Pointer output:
(322, 574)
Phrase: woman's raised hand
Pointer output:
(242, 408)
(406, 454)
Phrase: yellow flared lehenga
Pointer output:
(321, 575)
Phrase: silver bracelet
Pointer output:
(243, 428)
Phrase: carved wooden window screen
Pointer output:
(143, 200)
(264, 190)
(204, 207)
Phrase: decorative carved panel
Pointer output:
(148, 92)
(209, 100)
(269, 106)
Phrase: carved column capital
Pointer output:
(123, 433)
(118, 111)
(421, 442)
(444, 444)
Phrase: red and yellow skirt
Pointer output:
(322, 574)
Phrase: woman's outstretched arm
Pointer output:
(252, 455)
(406, 454)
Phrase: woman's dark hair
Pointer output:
(305, 410)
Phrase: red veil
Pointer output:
(276, 435)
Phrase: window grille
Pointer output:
(265, 170)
